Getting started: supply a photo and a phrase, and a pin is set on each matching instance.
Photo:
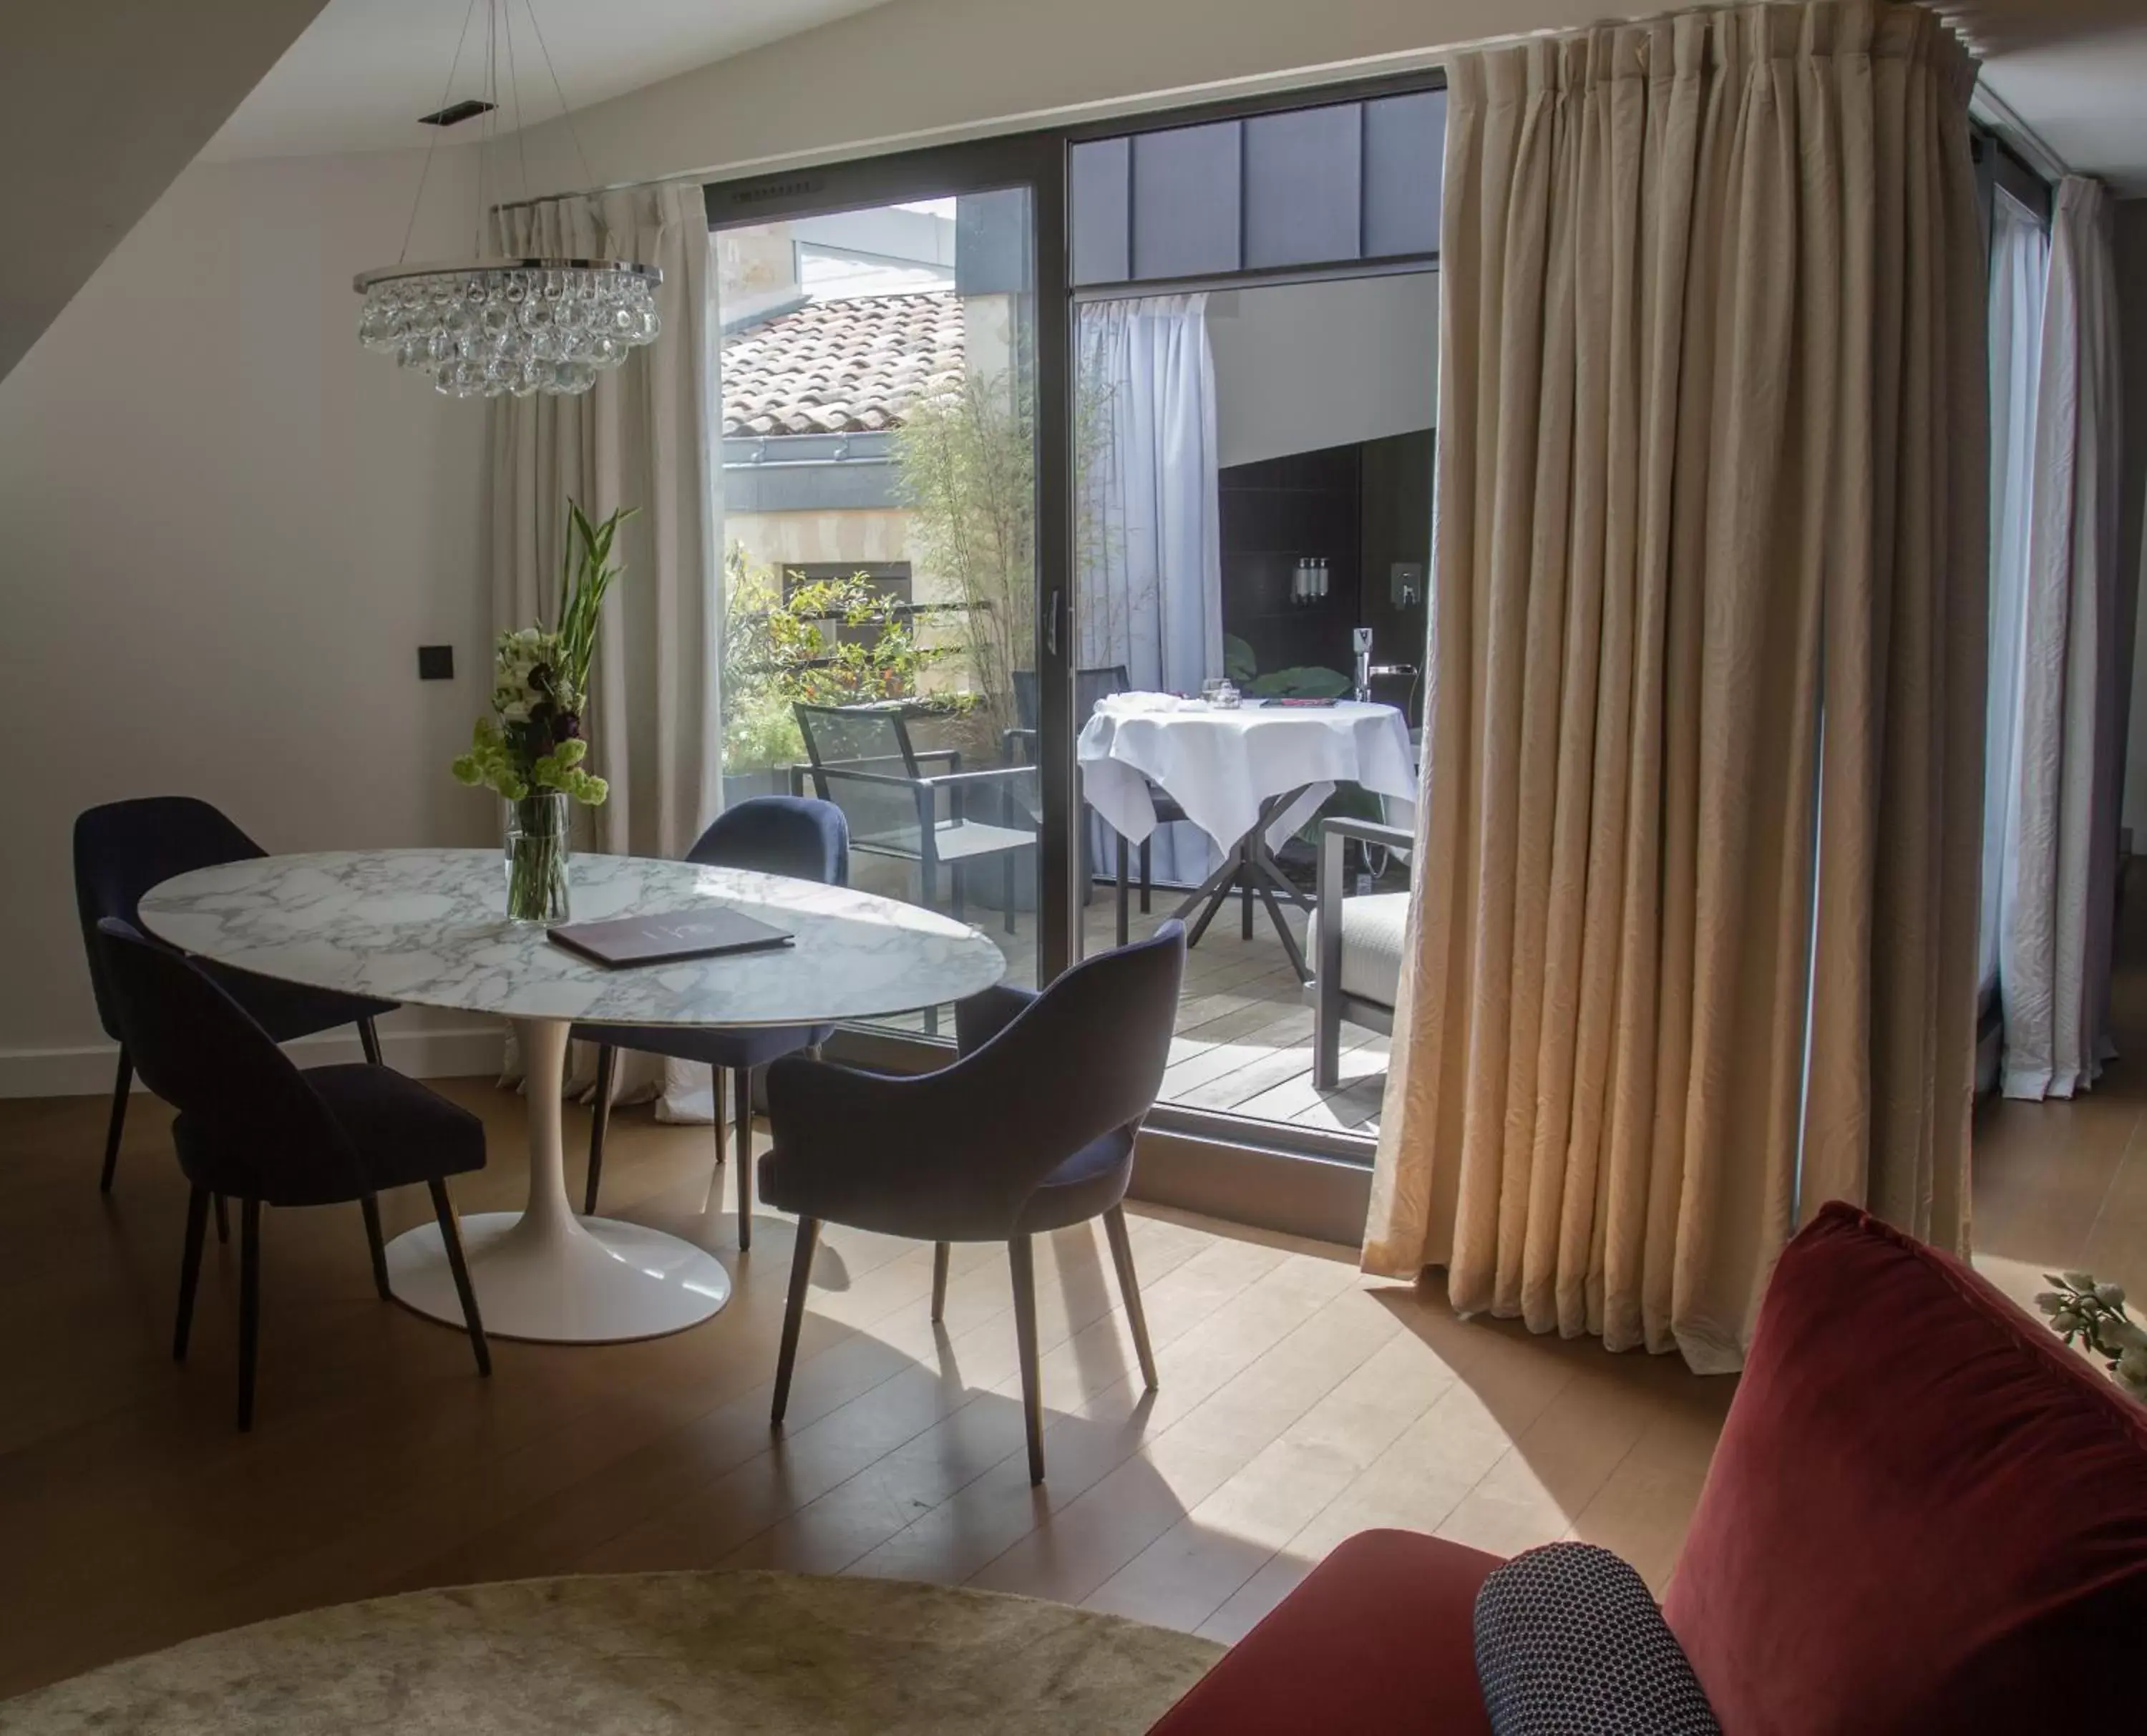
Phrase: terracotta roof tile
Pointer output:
(841, 367)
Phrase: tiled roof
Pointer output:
(841, 367)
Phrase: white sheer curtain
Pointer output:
(1150, 536)
(2020, 266)
(2057, 888)
(639, 439)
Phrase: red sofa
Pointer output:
(1925, 1515)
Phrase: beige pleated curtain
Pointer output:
(1695, 929)
(641, 438)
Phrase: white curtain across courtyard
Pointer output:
(1150, 534)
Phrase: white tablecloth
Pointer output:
(1220, 765)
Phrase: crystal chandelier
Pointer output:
(491, 325)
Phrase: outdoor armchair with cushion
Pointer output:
(1355, 945)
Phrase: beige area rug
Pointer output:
(782, 1653)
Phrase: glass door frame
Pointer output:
(1040, 161)
(1036, 163)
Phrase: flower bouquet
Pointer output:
(531, 750)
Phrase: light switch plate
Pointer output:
(1405, 581)
(436, 663)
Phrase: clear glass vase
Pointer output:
(536, 858)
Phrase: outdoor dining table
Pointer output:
(1249, 776)
(428, 929)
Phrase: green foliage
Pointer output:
(965, 465)
(1310, 683)
(834, 641)
(1238, 663)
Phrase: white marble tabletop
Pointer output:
(429, 927)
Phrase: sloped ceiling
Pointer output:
(106, 100)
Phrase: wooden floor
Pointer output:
(1299, 1401)
(2064, 1184)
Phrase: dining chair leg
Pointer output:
(451, 1238)
(1007, 886)
(599, 1124)
(1022, 1255)
(223, 1219)
(190, 1269)
(368, 1039)
(1125, 876)
(122, 1083)
(369, 1203)
(1148, 871)
(1122, 1257)
(249, 1306)
(794, 1315)
(941, 1252)
(742, 1093)
(1245, 903)
(719, 1113)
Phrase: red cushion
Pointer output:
(1925, 1514)
(1380, 1636)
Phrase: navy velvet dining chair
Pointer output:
(254, 1127)
(800, 837)
(1031, 1129)
(122, 850)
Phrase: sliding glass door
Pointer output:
(1013, 428)
(889, 403)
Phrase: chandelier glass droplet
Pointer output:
(510, 326)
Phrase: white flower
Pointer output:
(2110, 1295)
(2065, 1320)
(2049, 1301)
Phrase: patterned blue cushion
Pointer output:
(1570, 1643)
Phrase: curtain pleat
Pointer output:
(641, 438)
(1708, 605)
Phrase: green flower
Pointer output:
(465, 769)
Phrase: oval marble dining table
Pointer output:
(428, 927)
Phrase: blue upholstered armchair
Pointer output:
(1031, 1129)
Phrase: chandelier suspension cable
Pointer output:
(490, 123)
(521, 137)
(433, 143)
(558, 90)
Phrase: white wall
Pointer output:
(916, 72)
(1301, 367)
(224, 531)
